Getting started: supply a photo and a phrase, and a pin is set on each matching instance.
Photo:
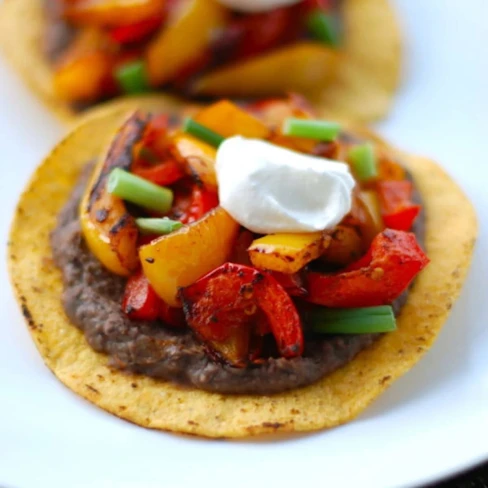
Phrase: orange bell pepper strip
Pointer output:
(85, 71)
(227, 119)
(109, 230)
(396, 206)
(378, 278)
(197, 156)
(112, 13)
(186, 36)
(299, 67)
(182, 257)
(226, 298)
(163, 174)
(140, 301)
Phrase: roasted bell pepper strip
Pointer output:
(392, 262)
(294, 284)
(138, 31)
(171, 315)
(164, 174)
(202, 202)
(112, 13)
(182, 257)
(109, 230)
(140, 301)
(253, 34)
(286, 253)
(195, 155)
(227, 296)
(227, 119)
(264, 75)
(397, 209)
(187, 35)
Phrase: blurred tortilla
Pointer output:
(368, 74)
(451, 230)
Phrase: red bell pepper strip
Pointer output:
(163, 174)
(378, 278)
(229, 296)
(396, 207)
(128, 34)
(140, 301)
(171, 315)
(294, 283)
(202, 201)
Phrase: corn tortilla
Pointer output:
(368, 74)
(451, 230)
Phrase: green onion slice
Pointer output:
(321, 130)
(132, 77)
(203, 133)
(158, 226)
(363, 160)
(368, 320)
(139, 191)
(324, 27)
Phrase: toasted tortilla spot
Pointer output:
(368, 76)
(451, 229)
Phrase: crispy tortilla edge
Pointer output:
(451, 230)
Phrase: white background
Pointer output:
(432, 422)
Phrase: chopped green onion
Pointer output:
(158, 226)
(139, 191)
(322, 130)
(203, 133)
(368, 320)
(324, 27)
(132, 77)
(363, 160)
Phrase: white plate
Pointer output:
(429, 424)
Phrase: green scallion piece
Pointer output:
(139, 191)
(321, 130)
(324, 27)
(368, 320)
(132, 77)
(363, 160)
(158, 226)
(203, 133)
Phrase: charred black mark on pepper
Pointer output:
(101, 215)
(150, 260)
(121, 223)
(120, 152)
(258, 278)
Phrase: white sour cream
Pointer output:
(256, 5)
(270, 189)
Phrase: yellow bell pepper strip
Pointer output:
(84, 72)
(227, 119)
(287, 253)
(182, 257)
(197, 156)
(112, 13)
(300, 67)
(109, 230)
(186, 37)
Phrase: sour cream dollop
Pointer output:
(270, 189)
(256, 5)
